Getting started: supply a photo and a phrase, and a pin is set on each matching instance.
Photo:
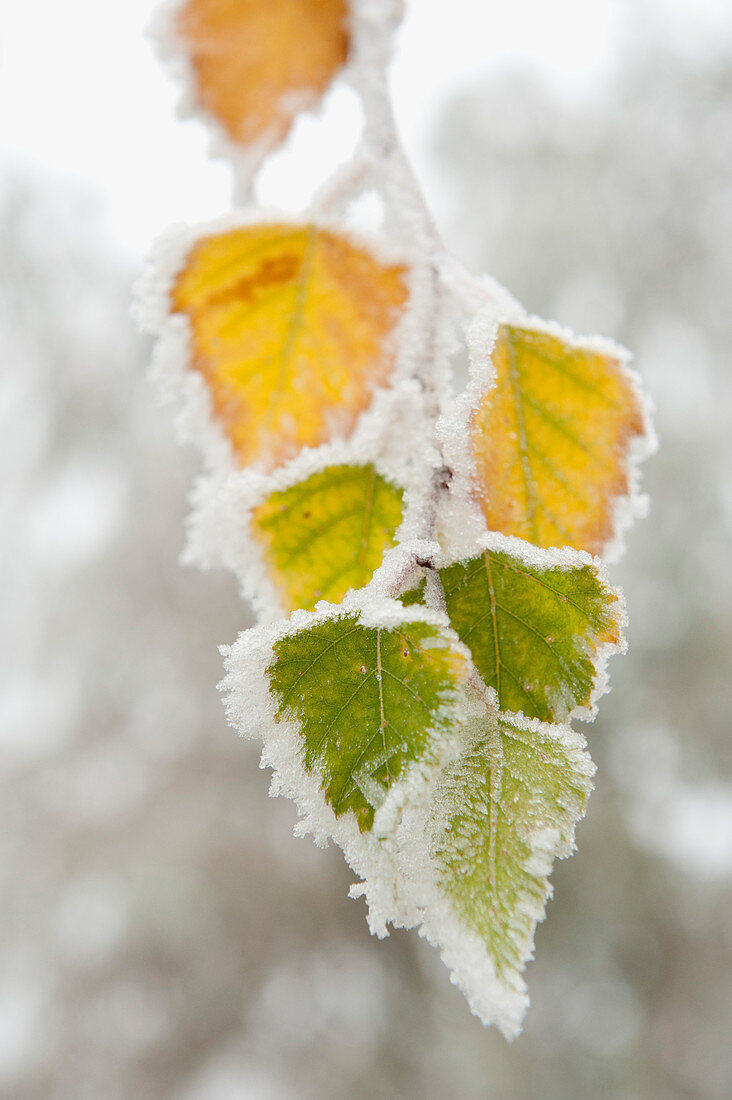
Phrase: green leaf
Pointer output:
(414, 596)
(537, 633)
(369, 702)
(502, 812)
(328, 533)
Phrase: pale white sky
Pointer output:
(82, 96)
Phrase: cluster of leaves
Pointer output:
(438, 555)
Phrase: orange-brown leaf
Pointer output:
(290, 328)
(551, 440)
(257, 63)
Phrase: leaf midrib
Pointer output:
(295, 323)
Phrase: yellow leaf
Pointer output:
(290, 327)
(258, 62)
(328, 533)
(551, 440)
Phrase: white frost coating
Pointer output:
(472, 970)
(566, 559)
(503, 1000)
(536, 557)
(251, 709)
(399, 571)
(481, 299)
(462, 512)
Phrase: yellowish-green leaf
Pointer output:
(328, 533)
(290, 329)
(369, 703)
(503, 811)
(535, 632)
(551, 440)
(256, 63)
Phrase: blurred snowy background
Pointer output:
(162, 935)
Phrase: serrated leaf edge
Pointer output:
(453, 426)
(491, 999)
(251, 709)
(396, 401)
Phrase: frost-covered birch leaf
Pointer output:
(537, 633)
(551, 440)
(369, 702)
(290, 328)
(328, 533)
(257, 63)
(502, 812)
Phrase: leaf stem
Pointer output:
(411, 217)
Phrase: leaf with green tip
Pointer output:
(369, 702)
(328, 533)
(536, 633)
(503, 811)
